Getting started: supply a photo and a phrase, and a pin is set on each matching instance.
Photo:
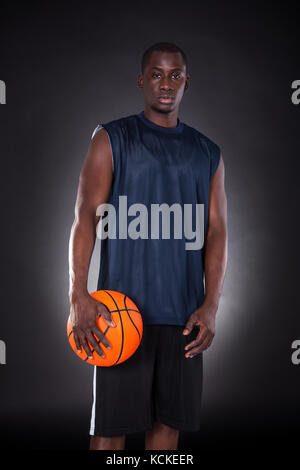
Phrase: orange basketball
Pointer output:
(124, 338)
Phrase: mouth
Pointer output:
(165, 99)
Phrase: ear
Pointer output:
(140, 82)
(187, 83)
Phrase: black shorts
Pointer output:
(157, 383)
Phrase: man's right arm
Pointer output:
(94, 188)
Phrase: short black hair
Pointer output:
(163, 47)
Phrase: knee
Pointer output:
(107, 443)
(164, 428)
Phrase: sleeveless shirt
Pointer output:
(157, 165)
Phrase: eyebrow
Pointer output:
(176, 68)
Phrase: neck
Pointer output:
(160, 118)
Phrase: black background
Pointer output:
(71, 65)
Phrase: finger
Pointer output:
(77, 341)
(95, 344)
(105, 313)
(188, 327)
(204, 345)
(197, 350)
(85, 345)
(211, 340)
(101, 337)
(198, 340)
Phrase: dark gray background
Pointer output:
(69, 66)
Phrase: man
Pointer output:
(152, 158)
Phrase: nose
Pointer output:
(165, 84)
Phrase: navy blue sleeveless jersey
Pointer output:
(156, 165)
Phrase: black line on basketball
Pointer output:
(124, 309)
(107, 328)
(122, 328)
(130, 317)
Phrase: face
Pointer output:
(164, 81)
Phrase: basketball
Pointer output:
(124, 338)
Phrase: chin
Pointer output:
(162, 108)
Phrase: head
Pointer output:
(164, 77)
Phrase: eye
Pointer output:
(155, 74)
(176, 75)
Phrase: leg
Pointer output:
(178, 381)
(107, 443)
(123, 396)
(161, 437)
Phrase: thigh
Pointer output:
(123, 393)
(178, 380)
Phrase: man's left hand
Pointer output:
(204, 317)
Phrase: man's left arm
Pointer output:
(215, 261)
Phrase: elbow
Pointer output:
(83, 218)
(218, 230)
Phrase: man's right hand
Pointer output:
(83, 314)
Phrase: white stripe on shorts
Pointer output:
(92, 427)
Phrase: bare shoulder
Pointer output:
(217, 180)
(97, 171)
(99, 152)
